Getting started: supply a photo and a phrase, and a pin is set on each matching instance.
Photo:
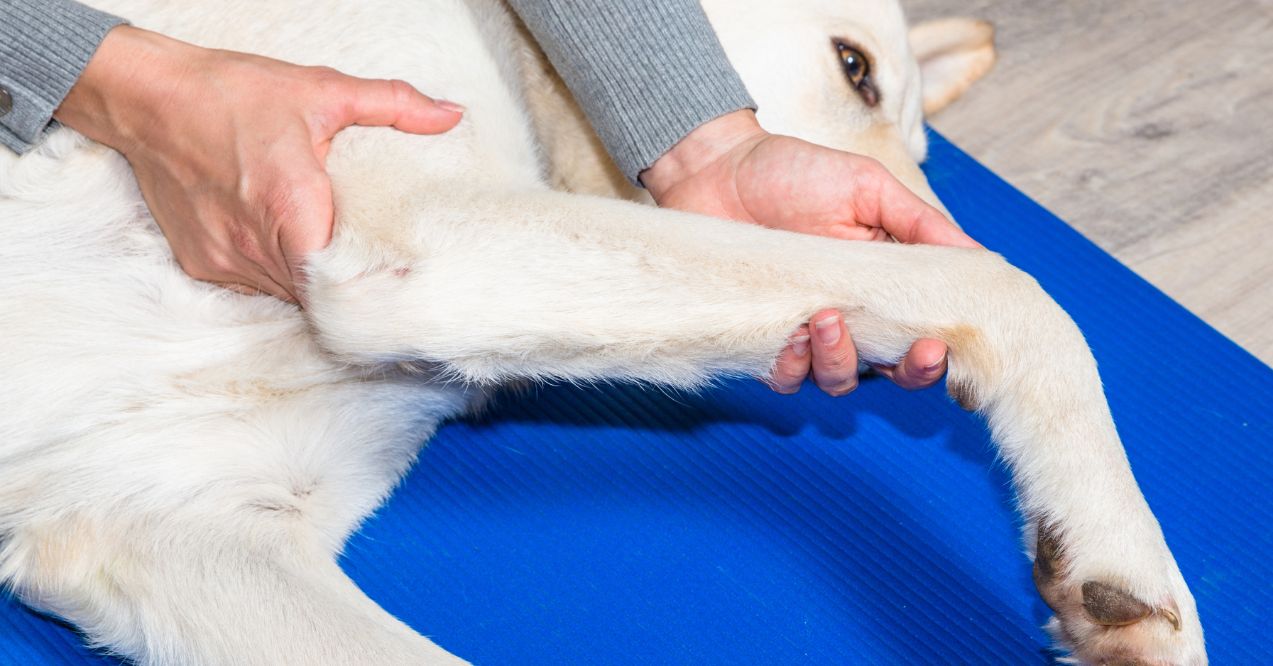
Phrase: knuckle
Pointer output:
(325, 76)
(399, 90)
(837, 359)
(328, 90)
(871, 174)
(870, 166)
(323, 82)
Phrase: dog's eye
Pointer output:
(857, 69)
(855, 64)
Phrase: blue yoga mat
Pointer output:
(617, 525)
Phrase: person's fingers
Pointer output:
(385, 102)
(307, 228)
(246, 266)
(222, 263)
(793, 364)
(922, 366)
(268, 270)
(265, 284)
(277, 280)
(238, 288)
(882, 201)
(253, 281)
(835, 359)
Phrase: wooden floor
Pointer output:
(1146, 124)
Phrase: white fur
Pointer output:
(179, 464)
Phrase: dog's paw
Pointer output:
(1101, 622)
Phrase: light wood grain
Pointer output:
(1148, 125)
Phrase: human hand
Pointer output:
(732, 168)
(229, 148)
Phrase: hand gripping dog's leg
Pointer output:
(546, 285)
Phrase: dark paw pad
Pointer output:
(1109, 606)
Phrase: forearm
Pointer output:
(44, 47)
(646, 72)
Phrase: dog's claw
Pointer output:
(1172, 617)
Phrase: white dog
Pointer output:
(180, 464)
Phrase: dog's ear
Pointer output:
(952, 54)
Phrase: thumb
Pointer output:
(891, 206)
(309, 229)
(394, 103)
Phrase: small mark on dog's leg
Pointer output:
(1047, 552)
(963, 394)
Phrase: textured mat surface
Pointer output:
(622, 526)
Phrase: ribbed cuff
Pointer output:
(646, 72)
(44, 47)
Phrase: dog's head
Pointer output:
(849, 74)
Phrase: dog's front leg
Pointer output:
(547, 285)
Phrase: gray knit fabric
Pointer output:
(646, 72)
(44, 46)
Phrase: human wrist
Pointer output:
(707, 145)
(125, 84)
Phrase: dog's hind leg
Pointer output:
(166, 592)
(183, 535)
(546, 285)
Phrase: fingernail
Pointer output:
(450, 106)
(828, 329)
(800, 345)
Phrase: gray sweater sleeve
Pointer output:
(44, 46)
(646, 72)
